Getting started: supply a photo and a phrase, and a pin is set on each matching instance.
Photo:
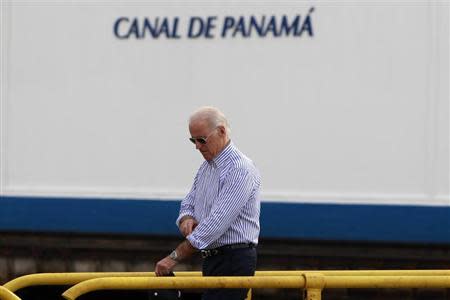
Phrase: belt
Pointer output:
(220, 250)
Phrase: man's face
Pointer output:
(215, 138)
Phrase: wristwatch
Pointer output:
(174, 255)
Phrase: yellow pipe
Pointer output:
(249, 295)
(313, 294)
(74, 278)
(6, 294)
(257, 282)
(315, 283)
(133, 283)
(64, 278)
(358, 273)
(387, 282)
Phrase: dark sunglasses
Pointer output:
(202, 140)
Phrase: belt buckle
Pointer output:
(209, 253)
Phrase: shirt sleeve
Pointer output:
(187, 205)
(234, 195)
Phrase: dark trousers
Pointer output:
(233, 262)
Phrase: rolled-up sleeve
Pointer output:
(187, 205)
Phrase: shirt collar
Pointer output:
(222, 157)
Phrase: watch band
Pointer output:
(174, 255)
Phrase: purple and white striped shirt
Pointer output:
(224, 199)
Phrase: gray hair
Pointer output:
(212, 115)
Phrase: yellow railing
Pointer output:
(316, 282)
(66, 278)
(313, 281)
(136, 283)
(74, 278)
(6, 294)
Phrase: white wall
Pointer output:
(357, 113)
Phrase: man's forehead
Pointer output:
(199, 124)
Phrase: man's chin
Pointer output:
(207, 157)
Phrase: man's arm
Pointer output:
(187, 205)
(182, 252)
(187, 225)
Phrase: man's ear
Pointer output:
(222, 130)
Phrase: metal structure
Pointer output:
(6, 294)
(313, 282)
(74, 278)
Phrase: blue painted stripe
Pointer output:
(88, 215)
(380, 223)
(376, 223)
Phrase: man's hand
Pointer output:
(187, 226)
(165, 266)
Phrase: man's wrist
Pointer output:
(174, 256)
(184, 218)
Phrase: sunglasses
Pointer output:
(202, 140)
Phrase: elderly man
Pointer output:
(220, 215)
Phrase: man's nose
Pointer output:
(198, 145)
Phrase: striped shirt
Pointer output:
(224, 199)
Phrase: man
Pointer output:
(220, 215)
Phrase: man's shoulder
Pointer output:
(238, 161)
